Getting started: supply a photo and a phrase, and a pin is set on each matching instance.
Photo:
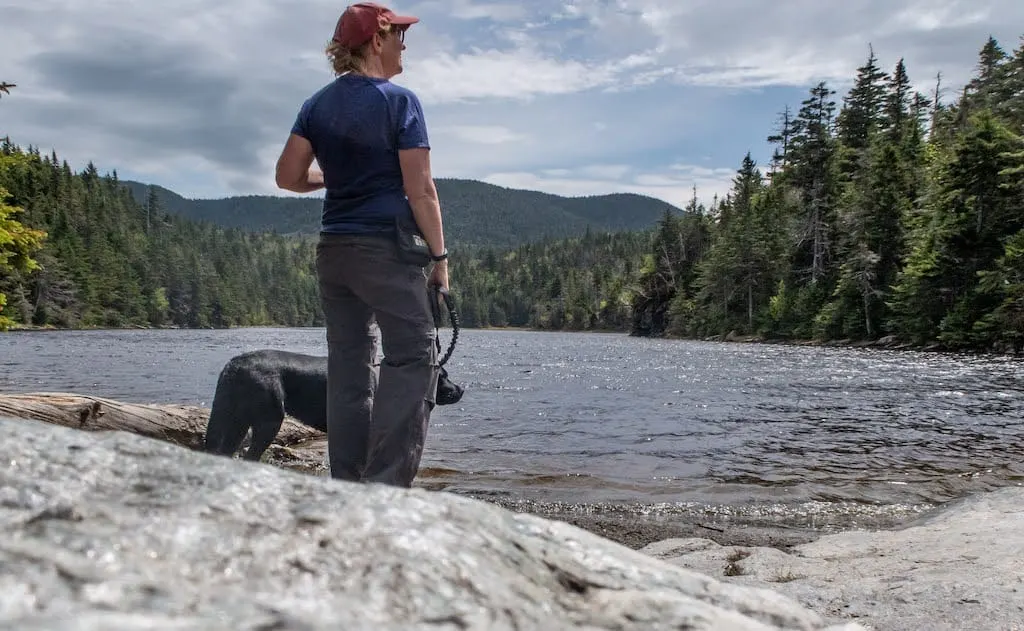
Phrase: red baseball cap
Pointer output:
(358, 24)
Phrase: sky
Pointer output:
(574, 97)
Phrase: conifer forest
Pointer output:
(884, 213)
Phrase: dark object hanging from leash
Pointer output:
(447, 391)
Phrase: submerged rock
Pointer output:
(959, 568)
(108, 530)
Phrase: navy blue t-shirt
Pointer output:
(356, 125)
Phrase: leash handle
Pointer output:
(453, 315)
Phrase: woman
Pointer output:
(369, 138)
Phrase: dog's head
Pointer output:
(447, 392)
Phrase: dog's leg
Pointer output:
(226, 429)
(263, 434)
(225, 432)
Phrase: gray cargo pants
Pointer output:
(377, 417)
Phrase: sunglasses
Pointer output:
(397, 32)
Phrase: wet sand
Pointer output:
(625, 527)
(637, 531)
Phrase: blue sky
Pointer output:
(573, 97)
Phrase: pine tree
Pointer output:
(739, 271)
(976, 202)
(861, 115)
(988, 75)
(781, 138)
(18, 244)
(897, 104)
(815, 152)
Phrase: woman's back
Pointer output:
(356, 125)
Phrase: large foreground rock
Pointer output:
(961, 568)
(108, 530)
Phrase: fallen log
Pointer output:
(296, 446)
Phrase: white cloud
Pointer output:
(483, 134)
(468, 10)
(573, 95)
(933, 16)
(496, 74)
(673, 184)
(742, 43)
(523, 73)
(605, 171)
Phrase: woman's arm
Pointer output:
(294, 171)
(426, 207)
(422, 194)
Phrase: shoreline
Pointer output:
(633, 530)
(889, 343)
(630, 529)
(634, 525)
(637, 532)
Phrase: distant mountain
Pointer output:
(475, 213)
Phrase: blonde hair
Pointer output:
(344, 59)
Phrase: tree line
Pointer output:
(583, 283)
(101, 259)
(890, 214)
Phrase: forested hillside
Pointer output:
(579, 283)
(886, 212)
(476, 213)
(108, 261)
(890, 213)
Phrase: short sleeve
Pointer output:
(412, 125)
(301, 125)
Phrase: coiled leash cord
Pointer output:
(447, 392)
(453, 315)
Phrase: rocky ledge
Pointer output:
(111, 530)
(959, 568)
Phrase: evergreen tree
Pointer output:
(108, 262)
(976, 202)
(17, 246)
(900, 215)
(861, 115)
(18, 243)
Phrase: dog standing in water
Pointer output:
(257, 389)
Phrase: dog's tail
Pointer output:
(228, 424)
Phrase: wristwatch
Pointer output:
(439, 257)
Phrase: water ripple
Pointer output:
(609, 420)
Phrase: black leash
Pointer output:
(447, 391)
(453, 315)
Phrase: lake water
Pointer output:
(843, 436)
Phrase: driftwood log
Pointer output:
(296, 447)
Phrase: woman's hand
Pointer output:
(314, 178)
(439, 275)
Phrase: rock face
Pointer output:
(961, 568)
(108, 530)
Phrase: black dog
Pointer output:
(257, 389)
